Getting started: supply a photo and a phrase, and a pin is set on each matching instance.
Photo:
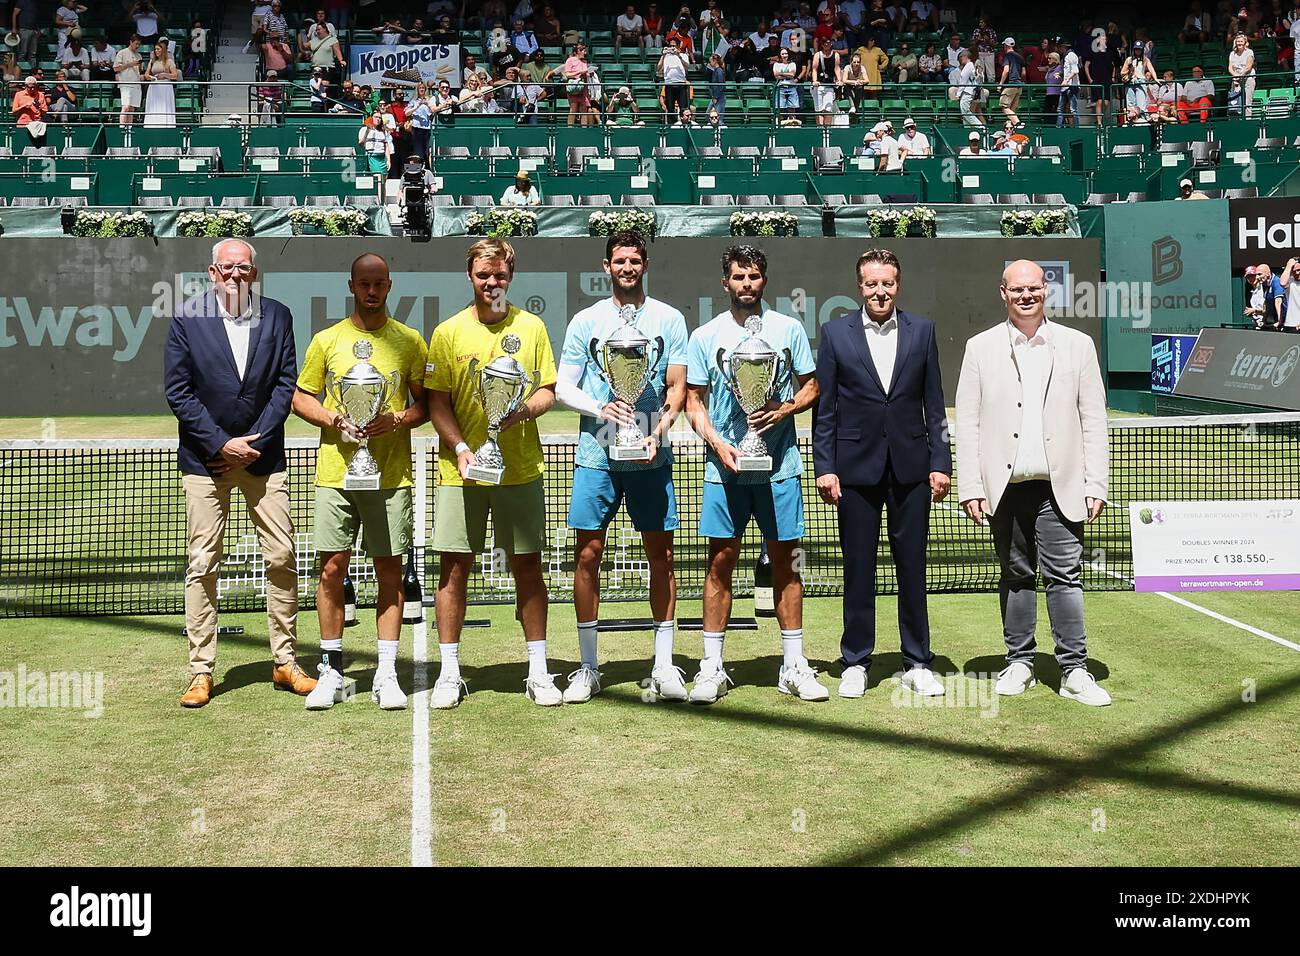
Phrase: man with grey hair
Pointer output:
(230, 368)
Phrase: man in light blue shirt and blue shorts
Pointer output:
(732, 496)
(601, 482)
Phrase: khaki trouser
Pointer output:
(207, 506)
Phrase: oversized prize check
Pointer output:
(1215, 545)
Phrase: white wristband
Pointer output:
(461, 447)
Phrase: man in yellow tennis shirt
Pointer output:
(489, 329)
(383, 514)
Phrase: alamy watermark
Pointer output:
(71, 690)
(971, 690)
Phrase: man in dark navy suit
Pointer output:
(881, 442)
(229, 374)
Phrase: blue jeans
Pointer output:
(1135, 97)
(1068, 104)
(787, 97)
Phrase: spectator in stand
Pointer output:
(686, 120)
(30, 106)
(926, 12)
(875, 61)
(162, 76)
(536, 70)
(25, 22)
(147, 20)
(1241, 65)
(1196, 97)
(126, 70)
(623, 102)
(916, 143)
(1290, 280)
(277, 57)
(878, 24)
(1052, 85)
(1273, 306)
(676, 92)
(1137, 74)
(717, 76)
(854, 17)
(1165, 103)
(1011, 80)
(574, 72)
(654, 27)
(66, 16)
(681, 34)
(524, 41)
(787, 74)
(968, 91)
(716, 39)
(547, 27)
(711, 13)
(11, 74)
(417, 33)
(931, 65)
(905, 65)
(270, 100)
(63, 101)
(1293, 30)
(984, 44)
(444, 32)
(854, 80)
(1277, 25)
(629, 28)
(826, 76)
(952, 52)
(1067, 106)
(75, 60)
(319, 86)
(1004, 145)
(1188, 190)
(195, 50)
(444, 104)
(521, 193)
(1036, 62)
(274, 23)
(325, 52)
(973, 147)
(377, 144)
(260, 10)
(101, 61)
(471, 68)
(1196, 25)
(759, 36)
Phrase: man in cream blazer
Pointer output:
(1033, 453)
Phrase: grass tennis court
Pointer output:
(756, 779)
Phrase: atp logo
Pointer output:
(1166, 260)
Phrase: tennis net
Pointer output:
(98, 527)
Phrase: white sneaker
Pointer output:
(801, 680)
(1081, 686)
(853, 682)
(1015, 679)
(386, 691)
(921, 680)
(668, 682)
(710, 683)
(447, 692)
(328, 690)
(584, 684)
(541, 690)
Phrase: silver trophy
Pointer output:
(753, 372)
(360, 395)
(624, 362)
(501, 387)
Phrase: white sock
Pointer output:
(450, 656)
(332, 651)
(586, 643)
(792, 646)
(536, 658)
(663, 643)
(713, 644)
(387, 655)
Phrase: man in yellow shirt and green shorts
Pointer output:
(382, 514)
(460, 346)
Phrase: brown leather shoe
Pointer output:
(199, 691)
(292, 677)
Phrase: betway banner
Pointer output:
(1264, 230)
(1177, 252)
(1246, 367)
(404, 64)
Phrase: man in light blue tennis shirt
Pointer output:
(603, 477)
(733, 495)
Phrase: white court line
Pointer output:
(1248, 628)
(421, 798)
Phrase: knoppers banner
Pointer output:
(405, 64)
(1178, 251)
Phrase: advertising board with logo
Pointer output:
(404, 65)
(1264, 230)
(1169, 356)
(1245, 367)
(1178, 252)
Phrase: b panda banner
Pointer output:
(404, 65)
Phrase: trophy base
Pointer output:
(361, 482)
(754, 463)
(483, 475)
(629, 453)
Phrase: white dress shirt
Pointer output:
(238, 328)
(882, 342)
(1033, 359)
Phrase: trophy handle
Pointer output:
(722, 367)
(331, 389)
(394, 389)
(593, 349)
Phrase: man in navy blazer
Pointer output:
(881, 441)
(230, 370)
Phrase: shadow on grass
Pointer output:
(1124, 762)
(1046, 669)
